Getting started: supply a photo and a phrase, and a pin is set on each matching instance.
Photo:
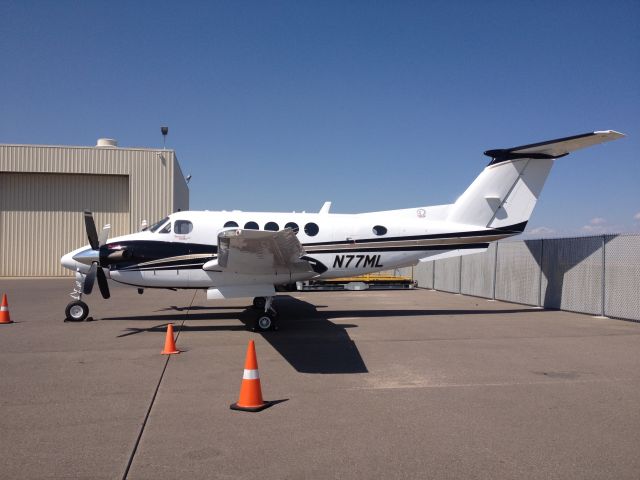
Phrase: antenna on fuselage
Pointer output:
(325, 208)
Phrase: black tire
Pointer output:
(265, 322)
(76, 311)
(259, 303)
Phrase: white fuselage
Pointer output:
(346, 244)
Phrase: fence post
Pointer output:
(433, 275)
(495, 271)
(604, 271)
(540, 273)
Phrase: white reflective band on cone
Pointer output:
(251, 375)
(4, 309)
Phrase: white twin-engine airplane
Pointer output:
(248, 254)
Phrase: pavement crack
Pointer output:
(155, 394)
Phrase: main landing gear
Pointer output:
(77, 311)
(267, 314)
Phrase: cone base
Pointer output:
(170, 353)
(259, 408)
(4, 322)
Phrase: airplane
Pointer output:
(236, 254)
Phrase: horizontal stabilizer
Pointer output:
(553, 148)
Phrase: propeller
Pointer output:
(97, 244)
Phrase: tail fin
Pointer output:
(505, 193)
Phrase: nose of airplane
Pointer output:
(67, 261)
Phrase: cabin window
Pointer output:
(157, 225)
(272, 226)
(380, 230)
(251, 226)
(311, 229)
(182, 227)
(231, 225)
(293, 226)
(166, 228)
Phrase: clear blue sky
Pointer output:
(281, 105)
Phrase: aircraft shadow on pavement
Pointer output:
(310, 342)
(306, 338)
(424, 313)
(557, 256)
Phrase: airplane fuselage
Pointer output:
(171, 254)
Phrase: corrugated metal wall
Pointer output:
(151, 172)
(155, 188)
(180, 189)
(41, 217)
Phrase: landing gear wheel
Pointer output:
(265, 322)
(259, 303)
(76, 311)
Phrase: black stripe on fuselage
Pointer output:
(168, 263)
(509, 230)
(430, 248)
(143, 251)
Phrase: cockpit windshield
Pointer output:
(157, 225)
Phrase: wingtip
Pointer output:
(613, 134)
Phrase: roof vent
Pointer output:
(107, 142)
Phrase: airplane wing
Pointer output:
(259, 252)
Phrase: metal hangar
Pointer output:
(44, 189)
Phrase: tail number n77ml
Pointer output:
(357, 261)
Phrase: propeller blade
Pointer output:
(102, 284)
(92, 234)
(104, 234)
(89, 279)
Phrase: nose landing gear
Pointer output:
(267, 317)
(77, 311)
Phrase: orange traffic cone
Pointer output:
(4, 310)
(250, 391)
(169, 342)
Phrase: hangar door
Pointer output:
(41, 217)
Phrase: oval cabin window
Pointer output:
(272, 226)
(251, 226)
(231, 225)
(293, 226)
(311, 229)
(379, 230)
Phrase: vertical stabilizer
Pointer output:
(507, 190)
(503, 194)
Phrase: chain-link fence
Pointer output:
(477, 273)
(599, 275)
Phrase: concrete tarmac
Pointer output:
(379, 384)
